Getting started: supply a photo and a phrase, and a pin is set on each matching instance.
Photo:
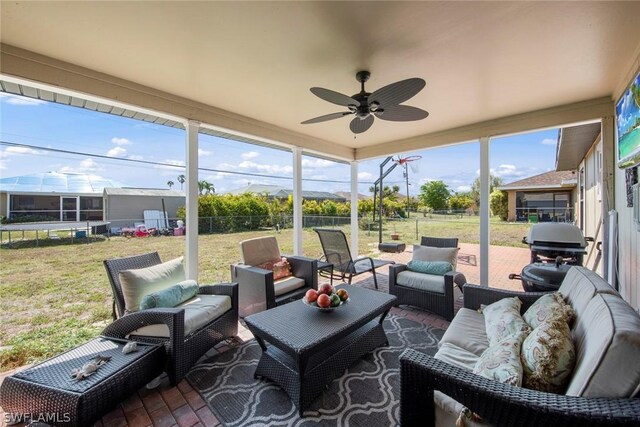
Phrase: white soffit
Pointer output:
(482, 61)
(574, 143)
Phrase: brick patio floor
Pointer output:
(182, 406)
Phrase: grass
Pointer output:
(57, 295)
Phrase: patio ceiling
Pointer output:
(247, 66)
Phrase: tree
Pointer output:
(499, 204)
(205, 187)
(435, 195)
(170, 184)
(460, 201)
(494, 181)
(181, 180)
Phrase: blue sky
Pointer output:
(50, 125)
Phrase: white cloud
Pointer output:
(120, 141)
(250, 155)
(317, 163)
(20, 100)
(365, 176)
(507, 171)
(87, 165)
(549, 141)
(10, 151)
(117, 152)
(260, 168)
(463, 188)
(203, 153)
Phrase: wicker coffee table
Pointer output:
(309, 348)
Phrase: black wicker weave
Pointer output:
(336, 252)
(182, 351)
(309, 348)
(500, 404)
(435, 302)
(47, 392)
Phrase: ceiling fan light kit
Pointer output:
(383, 103)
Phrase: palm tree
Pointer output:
(181, 180)
(205, 187)
(170, 184)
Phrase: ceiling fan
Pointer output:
(383, 103)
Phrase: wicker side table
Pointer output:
(47, 392)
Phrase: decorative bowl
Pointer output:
(328, 309)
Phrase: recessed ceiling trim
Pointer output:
(33, 67)
(578, 112)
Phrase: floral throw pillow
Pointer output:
(548, 356)
(503, 319)
(501, 362)
(280, 267)
(547, 307)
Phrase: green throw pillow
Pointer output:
(439, 268)
(172, 296)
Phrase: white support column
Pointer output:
(354, 210)
(484, 211)
(8, 205)
(191, 254)
(297, 200)
(608, 199)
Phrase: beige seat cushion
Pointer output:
(287, 284)
(467, 331)
(429, 253)
(421, 281)
(198, 311)
(607, 341)
(138, 283)
(580, 285)
(259, 250)
(448, 409)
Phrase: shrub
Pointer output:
(499, 204)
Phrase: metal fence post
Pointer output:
(416, 228)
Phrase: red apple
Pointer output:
(326, 289)
(324, 301)
(311, 295)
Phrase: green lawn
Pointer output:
(57, 295)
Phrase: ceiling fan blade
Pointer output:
(396, 93)
(326, 117)
(334, 97)
(401, 113)
(358, 125)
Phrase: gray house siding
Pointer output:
(125, 211)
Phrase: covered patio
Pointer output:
(242, 71)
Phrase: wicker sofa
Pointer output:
(602, 389)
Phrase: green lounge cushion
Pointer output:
(170, 297)
(439, 268)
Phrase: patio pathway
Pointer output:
(182, 406)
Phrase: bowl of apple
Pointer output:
(326, 298)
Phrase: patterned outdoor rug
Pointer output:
(368, 394)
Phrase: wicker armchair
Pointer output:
(496, 403)
(257, 289)
(182, 350)
(434, 300)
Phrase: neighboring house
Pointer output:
(123, 207)
(542, 198)
(54, 196)
(277, 192)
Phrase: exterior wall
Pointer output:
(123, 211)
(4, 204)
(511, 199)
(628, 245)
(592, 222)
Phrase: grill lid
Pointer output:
(558, 233)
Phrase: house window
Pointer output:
(552, 206)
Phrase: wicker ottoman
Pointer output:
(392, 247)
(46, 392)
